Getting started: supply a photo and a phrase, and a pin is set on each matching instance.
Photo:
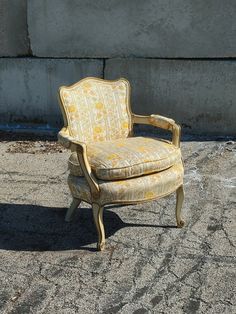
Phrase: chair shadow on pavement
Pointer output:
(38, 228)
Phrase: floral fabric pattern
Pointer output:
(136, 189)
(97, 110)
(125, 168)
(126, 158)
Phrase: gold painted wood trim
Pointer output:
(81, 149)
(179, 203)
(160, 122)
(70, 211)
(98, 220)
(86, 168)
(69, 142)
(121, 79)
(134, 202)
(97, 209)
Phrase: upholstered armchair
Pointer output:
(108, 165)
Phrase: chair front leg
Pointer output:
(179, 203)
(75, 203)
(98, 220)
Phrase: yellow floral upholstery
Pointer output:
(126, 158)
(97, 110)
(108, 165)
(132, 190)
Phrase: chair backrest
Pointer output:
(96, 109)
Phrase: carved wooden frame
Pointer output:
(71, 143)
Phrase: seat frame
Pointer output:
(73, 144)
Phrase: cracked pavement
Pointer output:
(149, 266)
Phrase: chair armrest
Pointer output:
(81, 149)
(66, 140)
(161, 122)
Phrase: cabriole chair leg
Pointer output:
(75, 203)
(98, 220)
(179, 203)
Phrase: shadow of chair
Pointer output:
(38, 228)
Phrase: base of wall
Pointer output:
(198, 94)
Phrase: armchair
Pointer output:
(108, 165)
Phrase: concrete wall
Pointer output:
(199, 94)
(151, 28)
(179, 56)
(14, 39)
(28, 87)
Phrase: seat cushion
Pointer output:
(139, 189)
(127, 158)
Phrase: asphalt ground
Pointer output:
(148, 266)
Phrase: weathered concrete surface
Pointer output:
(49, 266)
(153, 28)
(14, 39)
(199, 94)
(29, 87)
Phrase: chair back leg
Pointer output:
(75, 203)
(179, 203)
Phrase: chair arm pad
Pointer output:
(68, 141)
(161, 122)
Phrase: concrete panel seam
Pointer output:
(30, 52)
(32, 56)
(103, 68)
